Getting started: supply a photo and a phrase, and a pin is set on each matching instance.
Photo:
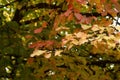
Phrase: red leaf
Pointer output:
(81, 1)
(38, 30)
(49, 43)
(70, 17)
(78, 16)
(67, 12)
(42, 44)
(70, 6)
(37, 44)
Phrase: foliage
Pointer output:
(59, 40)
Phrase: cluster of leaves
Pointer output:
(103, 40)
(71, 36)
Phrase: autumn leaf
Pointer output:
(38, 30)
(78, 16)
(70, 6)
(67, 13)
(82, 1)
(58, 52)
(70, 17)
(114, 1)
(75, 41)
(85, 27)
(62, 28)
(80, 35)
(47, 55)
(37, 44)
(49, 43)
(56, 22)
(44, 24)
(37, 52)
(99, 47)
(95, 28)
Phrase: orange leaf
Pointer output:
(70, 6)
(70, 17)
(44, 24)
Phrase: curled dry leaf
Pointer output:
(37, 53)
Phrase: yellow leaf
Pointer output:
(95, 28)
(75, 42)
(58, 52)
(47, 55)
(85, 27)
(37, 53)
(81, 35)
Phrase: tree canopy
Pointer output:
(59, 40)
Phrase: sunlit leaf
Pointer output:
(37, 53)
(47, 55)
(85, 27)
(58, 52)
